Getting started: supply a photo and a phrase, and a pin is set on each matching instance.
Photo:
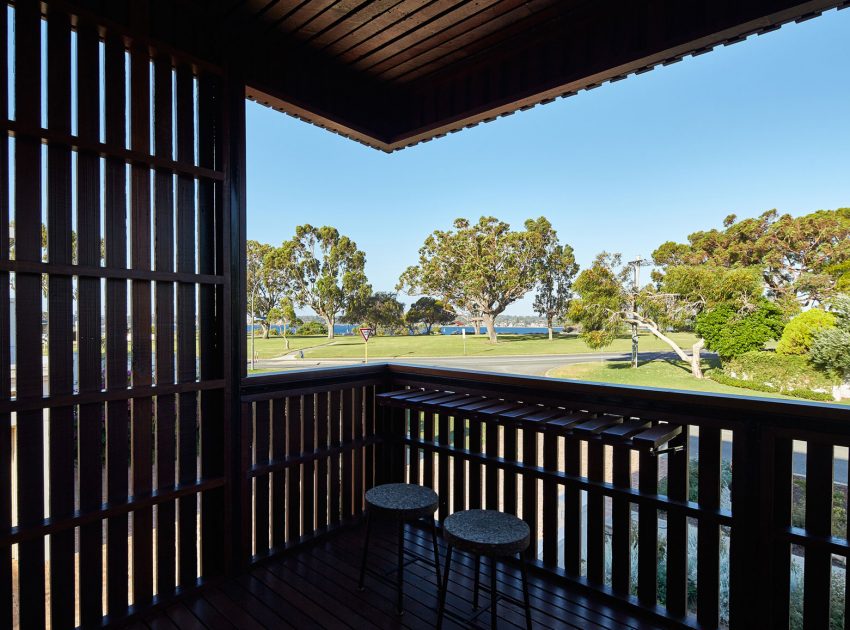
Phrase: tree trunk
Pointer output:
(696, 368)
(490, 322)
(693, 360)
(329, 321)
(266, 328)
(549, 327)
(476, 327)
(428, 328)
(285, 338)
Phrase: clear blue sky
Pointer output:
(761, 124)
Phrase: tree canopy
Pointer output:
(266, 283)
(427, 311)
(324, 271)
(483, 267)
(802, 260)
(381, 311)
(731, 332)
(831, 346)
(555, 273)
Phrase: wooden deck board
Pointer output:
(316, 587)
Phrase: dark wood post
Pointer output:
(237, 496)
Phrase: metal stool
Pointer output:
(403, 502)
(486, 533)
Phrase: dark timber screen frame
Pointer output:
(131, 441)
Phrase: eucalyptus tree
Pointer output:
(483, 266)
(266, 284)
(324, 271)
(555, 273)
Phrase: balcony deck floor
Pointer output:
(316, 587)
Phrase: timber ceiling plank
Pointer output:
(367, 33)
(362, 18)
(410, 23)
(455, 42)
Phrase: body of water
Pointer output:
(348, 329)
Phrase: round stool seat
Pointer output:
(403, 500)
(486, 532)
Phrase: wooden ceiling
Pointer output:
(392, 73)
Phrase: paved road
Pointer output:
(538, 366)
(527, 365)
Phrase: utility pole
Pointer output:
(636, 264)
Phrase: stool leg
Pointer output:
(444, 588)
(400, 583)
(477, 582)
(365, 550)
(525, 591)
(493, 596)
(436, 551)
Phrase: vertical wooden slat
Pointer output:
(369, 425)
(677, 526)
(335, 437)
(474, 467)
(818, 562)
(30, 490)
(5, 342)
(186, 326)
(572, 508)
(60, 319)
(308, 428)
(117, 412)
(88, 322)
(530, 504)
(708, 540)
(458, 472)
(166, 557)
(308, 470)
(357, 420)
(261, 482)
(278, 508)
(322, 465)
(781, 518)
(414, 451)
(550, 500)
(491, 473)
(648, 532)
(428, 455)
(620, 522)
(347, 470)
(443, 465)
(211, 322)
(595, 514)
(293, 512)
(509, 497)
(141, 323)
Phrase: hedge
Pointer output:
(781, 371)
(808, 394)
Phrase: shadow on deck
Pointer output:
(316, 587)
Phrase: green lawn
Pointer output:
(350, 347)
(274, 346)
(661, 374)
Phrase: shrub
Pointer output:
(783, 372)
(312, 328)
(807, 394)
(831, 347)
(800, 333)
(730, 333)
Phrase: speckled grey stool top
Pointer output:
(486, 532)
(403, 500)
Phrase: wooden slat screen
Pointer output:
(111, 362)
(310, 463)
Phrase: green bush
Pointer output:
(730, 333)
(782, 371)
(312, 328)
(723, 379)
(831, 347)
(800, 333)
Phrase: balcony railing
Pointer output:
(676, 504)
